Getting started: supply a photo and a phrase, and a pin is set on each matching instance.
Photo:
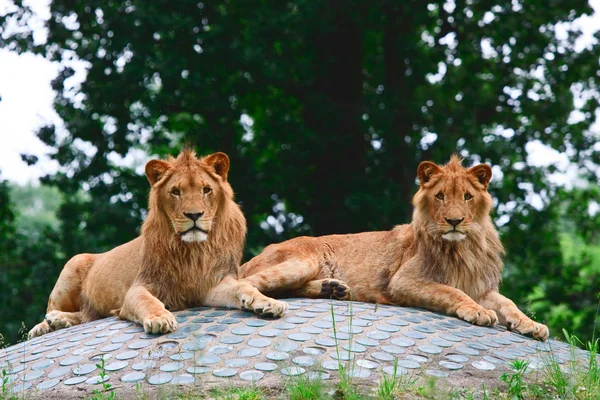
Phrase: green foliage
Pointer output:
(516, 379)
(325, 112)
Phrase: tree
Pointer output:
(325, 108)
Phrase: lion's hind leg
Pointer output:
(324, 289)
(64, 304)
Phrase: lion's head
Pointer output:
(189, 192)
(452, 201)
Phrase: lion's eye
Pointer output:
(439, 196)
(207, 190)
(468, 196)
(175, 192)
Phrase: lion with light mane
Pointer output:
(448, 259)
(188, 254)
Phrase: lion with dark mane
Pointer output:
(188, 254)
(448, 259)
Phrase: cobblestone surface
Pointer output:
(315, 337)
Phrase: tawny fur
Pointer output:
(427, 263)
(169, 266)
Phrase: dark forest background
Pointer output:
(325, 108)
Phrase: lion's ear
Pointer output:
(155, 169)
(482, 172)
(220, 162)
(426, 170)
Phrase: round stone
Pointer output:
(197, 370)
(312, 330)
(300, 337)
(397, 322)
(121, 325)
(249, 352)
(367, 364)
(312, 375)
(395, 370)
(408, 364)
(170, 367)
(325, 342)
(271, 332)
(501, 340)
(87, 368)
(430, 349)
(417, 358)
(83, 350)
(392, 349)
(56, 354)
(295, 320)
(230, 321)
(243, 330)
(30, 376)
(304, 361)
(459, 358)
(127, 355)
(313, 351)
(265, 366)
(414, 334)
(493, 360)
(75, 381)
(292, 371)
(339, 336)
(423, 328)
(236, 362)
(184, 379)
(323, 324)
(483, 365)
(42, 365)
(230, 340)
(466, 350)
(504, 354)
(353, 330)
(256, 323)
(252, 376)
(117, 365)
(355, 348)
(133, 377)
(58, 372)
(387, 327)
(260, 343)
(451, 365)
(225, 372)
(122, 338)
(436, 341)
(403, 342)
(48, 384)
(365, 341)
(95, 342)
(283, 326)
(70, 360)
(111, 347)
(277, 356)
(160, 379)
(144, 365)
(437, 373)
(177, 335)
(477, 346)
(207, 360)
(140, 344)
(220, 349)
(450, 337)
(186, 355)
(378, 335)
(286, 346)
(381, 356)
(330, 365)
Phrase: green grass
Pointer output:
(301, 387)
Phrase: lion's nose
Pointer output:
(454, 222)
(194, 216)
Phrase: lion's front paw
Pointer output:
(477, 315)
(163, 323)
(57, 320)
(40, 329)
(526, 326)
(264, 305)
(334, 288)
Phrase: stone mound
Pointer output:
(218, 347)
